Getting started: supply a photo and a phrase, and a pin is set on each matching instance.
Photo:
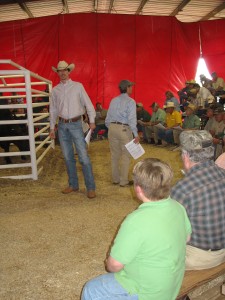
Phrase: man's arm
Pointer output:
(113, 265)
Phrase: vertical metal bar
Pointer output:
(31, 125)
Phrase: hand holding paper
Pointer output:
(135, 150)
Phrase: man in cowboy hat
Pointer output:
(69, 102)
(173, 119)
(191, 122)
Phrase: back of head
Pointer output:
(139, 105)
(124, 84)
(198, 144)
(154, 177)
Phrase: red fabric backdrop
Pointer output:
(157, 53)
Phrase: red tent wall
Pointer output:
(157, 53)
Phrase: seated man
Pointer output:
(206, 82)
(218, 131)
(100, 121)
(211, 119)
(184, 92)
(173, 119)
(203, 96)
(191, 122)
(158, 117)
(218, 85)
(142, 116)
(202, 194)
(147, 259)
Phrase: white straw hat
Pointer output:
(62, 65)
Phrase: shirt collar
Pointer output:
(202, 165)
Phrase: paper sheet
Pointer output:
(178, 128)
(52, 143)
(85, 126)
(88, 137)
(135, 150)
(160, 126)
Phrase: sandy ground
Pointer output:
(51, 243)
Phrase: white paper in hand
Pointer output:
(135, 150)
(88, 137)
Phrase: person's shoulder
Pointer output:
(176, 112)
(196, 117)
(76, 83)
(176, 204)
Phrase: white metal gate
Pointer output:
(11, 82)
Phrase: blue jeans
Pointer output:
(105, 287)
(69, 134)
(166, 135)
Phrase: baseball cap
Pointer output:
(124, 84)
(195, 140)
(218, 110)
(139, 104)
(191, 106)
(154, 104)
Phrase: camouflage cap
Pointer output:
(195, 140)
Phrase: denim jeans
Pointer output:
(166, 135)
(69, 134)
(105, 287)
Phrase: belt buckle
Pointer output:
(70, 121)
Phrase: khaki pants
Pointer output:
(149, 130)
(176, 136)
(118, 136)
(198, 259)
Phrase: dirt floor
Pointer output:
(51, 243)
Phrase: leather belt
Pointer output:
(75, 119)
(213, 249)
(119, 123)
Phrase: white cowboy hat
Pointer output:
(62, 65)
(170, 104)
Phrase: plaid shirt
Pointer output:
(202, 192)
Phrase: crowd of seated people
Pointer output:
(200, 109)
(12, 129)
(100, 123)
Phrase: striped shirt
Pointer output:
(70, 100)
(202, 192)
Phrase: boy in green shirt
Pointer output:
(147, 259)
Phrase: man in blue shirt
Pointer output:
(121, 120)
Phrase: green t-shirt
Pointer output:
(191, 122)
(151, 243)
(159, 116)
